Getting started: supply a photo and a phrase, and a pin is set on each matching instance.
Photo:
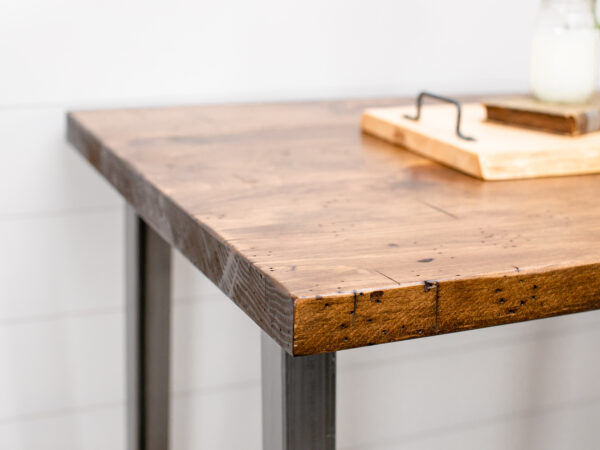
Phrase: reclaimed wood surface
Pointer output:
(528, 112)
(331, 239)
(499, 152)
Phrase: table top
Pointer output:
(331, 239)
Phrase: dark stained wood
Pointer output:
(331, 239)
(535, 120)
(526, 111)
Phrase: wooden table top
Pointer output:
(331, 239)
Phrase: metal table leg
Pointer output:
(298, 395)
(148, 335)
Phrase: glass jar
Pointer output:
(564, 59)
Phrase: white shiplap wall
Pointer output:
(526, 386)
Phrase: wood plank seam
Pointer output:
(435, 285)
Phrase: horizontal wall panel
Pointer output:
(415, 395)
(232, 50)
(562, 426)
(219, 420)
(40, 173)
(99, 428)
(60, 265)
(51, 366)
(189, 284)
(214, 344)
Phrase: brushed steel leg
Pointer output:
(148, 312)
(298, 395)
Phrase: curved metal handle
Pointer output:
(443, 99)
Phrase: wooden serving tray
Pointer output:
(499, 152)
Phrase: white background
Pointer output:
(526, 386)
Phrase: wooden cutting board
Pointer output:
(499, 152)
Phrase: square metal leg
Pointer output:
(148, 335)
(298, 395)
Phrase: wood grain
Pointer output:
(330, 239)
(526, 111)
(499, 152)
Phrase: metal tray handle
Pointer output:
(443, 99)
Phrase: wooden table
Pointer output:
(328, 239)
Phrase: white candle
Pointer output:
(564, 59)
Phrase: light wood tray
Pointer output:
(499, 152)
